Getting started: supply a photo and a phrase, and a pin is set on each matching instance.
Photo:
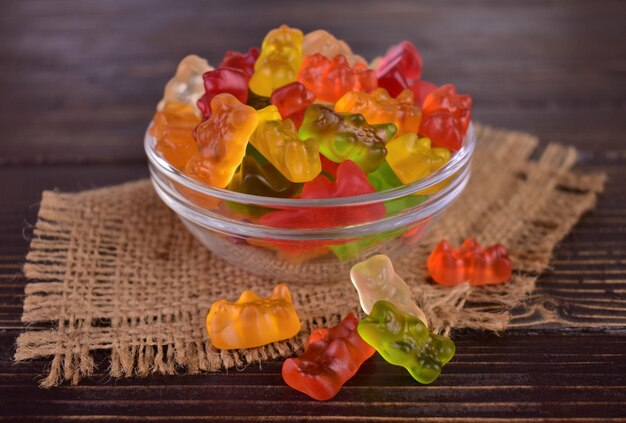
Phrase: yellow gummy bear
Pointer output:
(279, 61)
(253, 321)
(412, 158)
(380, 107)
(277, 140)
(268, 113)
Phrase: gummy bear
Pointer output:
(404, 57)
(331, 357)
(186, 85)
(421, 89)
(350, 181)
(404, 340)
(344, 136)
(380, 107)
(292, 100)
(412, 158)
(262, 179)
(399, 68)
(222, 141)
(327, 45)
(329, 168)
(383, 178)
(253, 321)
(172, 127)
(349, 250)
(445, 117)
(469, 263)
(393, 82)
(223, 80)
(280, 59)
(330, 79)
(277, 140)
(446, 98)
(375, 280)
(241, 61)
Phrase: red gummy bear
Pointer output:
(291, 100)
(421, 89)
(329, 79)
(329, 167)
(399, 68)
(219, 81)
(351, 180)
(331, 357)
(241, 61)
(445, 117)
(403, 57)
(393, 82)
(469, 263)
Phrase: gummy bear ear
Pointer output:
(372, 271)
(268, 113)
(289, 125)
(381, 264)
(219, 307)
(406, 96)
(312, 112)
(247, 296)
(385, 131)
(356, 119)
(281, 292)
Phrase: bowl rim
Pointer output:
(458, 160)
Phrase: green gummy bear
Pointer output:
(352, 249)
(397, 205)
(346, 136)
(384, 178)
(403, 340)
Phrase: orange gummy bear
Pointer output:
(330, 79)
(380, 107)
(252, 321)
(222, 141)
(469, 263)
(173, 127)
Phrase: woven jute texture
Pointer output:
(115, 270)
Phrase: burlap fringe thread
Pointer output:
(119, 272)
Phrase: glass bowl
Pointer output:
(353, 228)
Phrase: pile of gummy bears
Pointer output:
(394, 325)
(305, 117)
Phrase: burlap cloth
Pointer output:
(117, 271)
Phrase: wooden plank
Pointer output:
(516, 374)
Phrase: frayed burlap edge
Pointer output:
(101, 291)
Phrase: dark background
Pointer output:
(79, 81)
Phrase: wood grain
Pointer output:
(79, 81)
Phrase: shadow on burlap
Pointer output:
(117, 271)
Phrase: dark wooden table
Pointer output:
(79, 81)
